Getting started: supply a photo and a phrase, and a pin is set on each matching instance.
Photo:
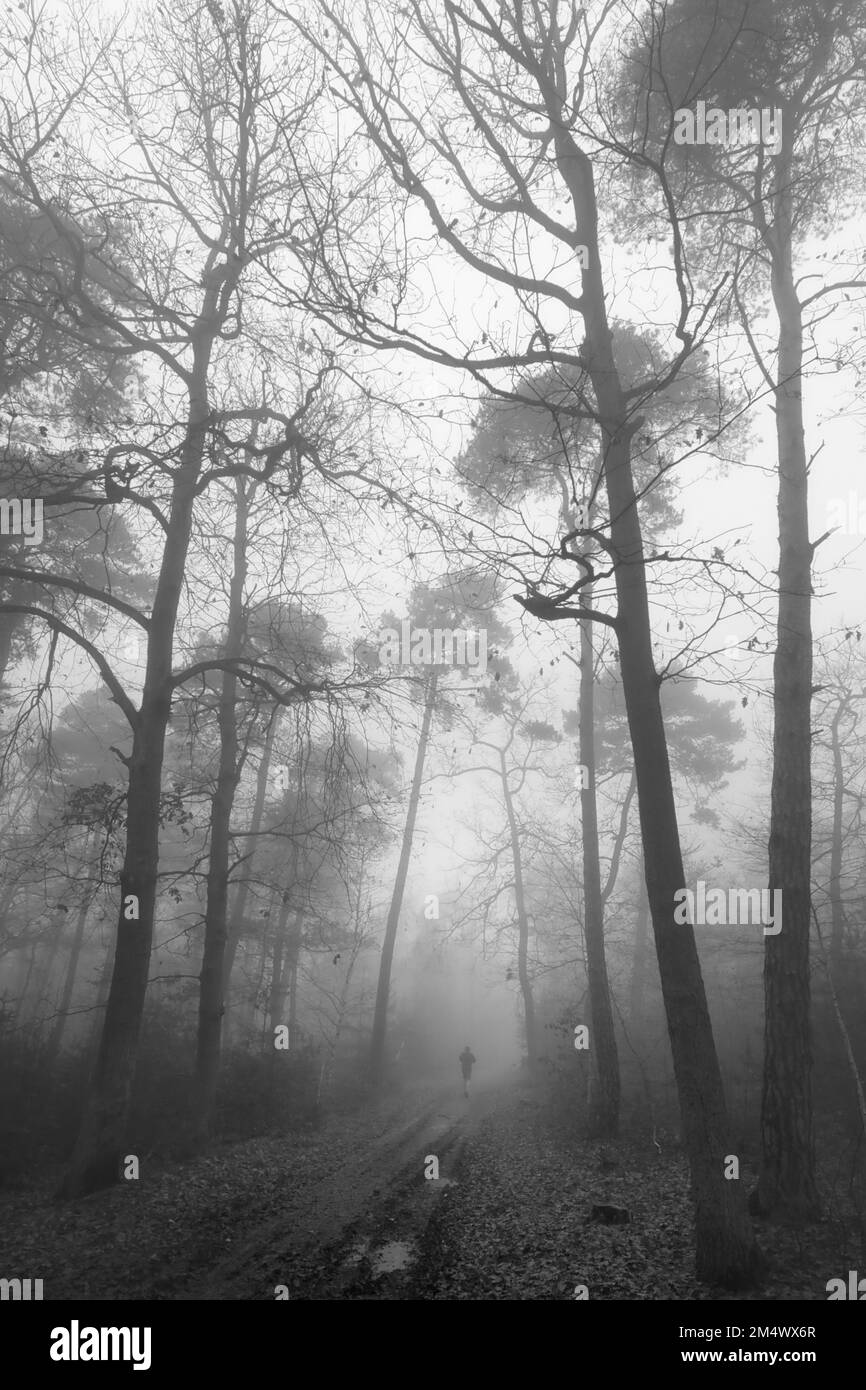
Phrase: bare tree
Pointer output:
(513, 84)
(225, 175)
(804, 66)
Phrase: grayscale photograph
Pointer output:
(432, 691)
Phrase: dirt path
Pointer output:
(345, 1212)
(278, 1210)
(362, 1227)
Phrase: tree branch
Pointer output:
(118, 694)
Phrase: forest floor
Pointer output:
(345, 1212)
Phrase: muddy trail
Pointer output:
(363, 1230)
(425, 1196)
(516, 1212)
(337, 1210)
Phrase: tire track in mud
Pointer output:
(359, 1235)
(377, 1254)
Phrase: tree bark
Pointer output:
(639, 964)
(97, 1156)
(100, 1001)
(725, 1249)
(837, 906)
(293, 958)
(605, 1089)
(211, 996)
(786, 1184)
(522, 922)
(380, 1017)
(8, 624)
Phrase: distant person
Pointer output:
(467, 1058)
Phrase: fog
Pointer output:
(431, 664)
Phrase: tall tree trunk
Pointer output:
(380, 1017)
(837, 906)
(522, 922)
(639, 964)
(293, 958)
(787, 1179)
(100, 1001)
(850, 1055)
(725, 1249)
(8, 624)
(256, 999)
(605, 1092)
(98, 1152)
(239, 906)
(211, 997)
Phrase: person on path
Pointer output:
(467, 1058)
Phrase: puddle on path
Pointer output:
(393, 1256)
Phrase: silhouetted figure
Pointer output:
(467, 1058)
